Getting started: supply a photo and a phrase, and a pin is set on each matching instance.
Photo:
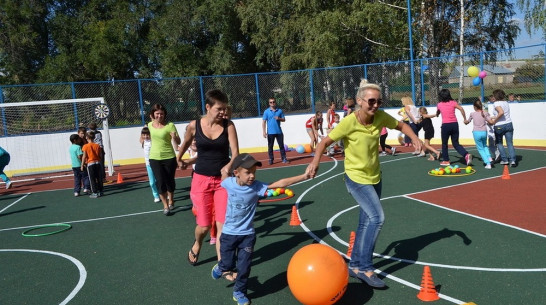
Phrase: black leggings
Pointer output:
(382, 142)
(164, 171)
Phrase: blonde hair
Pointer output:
(406, 100)
(364, 86)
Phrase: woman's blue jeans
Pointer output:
(370, 221)
(506, 130)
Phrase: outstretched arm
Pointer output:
(288, 181)
(406, 129)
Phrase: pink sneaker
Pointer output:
(445, 163)
(468, 159)
(213, 240)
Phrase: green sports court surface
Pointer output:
(483, 238)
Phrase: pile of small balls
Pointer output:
(276, 192)
(451, 170)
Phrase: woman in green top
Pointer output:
(360, 133)
(162, 155)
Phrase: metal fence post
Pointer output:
(422, 73)
(202, 94)
(141, 102)
(257, 93)
(312, 94)
(482, 87)
(4, 123)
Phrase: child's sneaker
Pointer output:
(444, 163)
(468, 159)
(94, 195)
(8, 185)
(76, 194)
(393, 151)
(157, 200)
(488, 166)
(240, 298)
(382, 153)
(86, 191)
(213, 241)
(216, 273)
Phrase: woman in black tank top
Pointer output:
(215, 137)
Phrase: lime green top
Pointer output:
(162, 147)
(361, 144)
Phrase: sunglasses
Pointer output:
(373, 101)
(271, 103)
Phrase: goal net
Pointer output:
(36, 134)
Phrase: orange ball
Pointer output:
(308, 148)
(317, 275)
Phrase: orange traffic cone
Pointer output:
(428, 291)
(505, 173)
(120, 178)
(351, 243)
(294, 219)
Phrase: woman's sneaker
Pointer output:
(444, 163)
(240, 298)
(468, 159)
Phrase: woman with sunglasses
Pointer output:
(360, 133)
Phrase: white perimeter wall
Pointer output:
(529, 121)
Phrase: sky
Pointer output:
(524, 39)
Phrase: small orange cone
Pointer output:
(428, 291)
(351, 243)
(294, 219)
(505, 173)
(120, 178)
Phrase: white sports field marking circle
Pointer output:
(81, 268)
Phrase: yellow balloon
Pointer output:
(473, 71)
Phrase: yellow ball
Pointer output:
(473, 71)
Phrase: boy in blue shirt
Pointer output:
(238, 235)
(80, 176)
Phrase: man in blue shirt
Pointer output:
(272, 118)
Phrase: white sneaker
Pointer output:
(488, 166)
(393, 151)
(8, 185)
(157, 200)
(382, 154)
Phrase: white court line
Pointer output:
(83, 220)
(81, 268)
(14, 202)
(392, 277)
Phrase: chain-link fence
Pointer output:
(304, 91)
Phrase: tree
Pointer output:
(23, 39)
(96, 40)
(190, 38)
(535, 15)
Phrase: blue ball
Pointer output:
(300, 149)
